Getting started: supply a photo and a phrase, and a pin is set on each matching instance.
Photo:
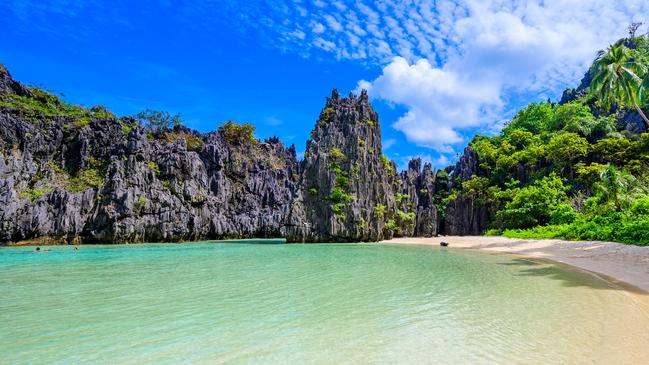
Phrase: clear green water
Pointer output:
(241, 302)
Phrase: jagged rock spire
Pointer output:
(344, 179)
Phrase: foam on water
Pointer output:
(241, 302)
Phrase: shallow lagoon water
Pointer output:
(265, 302)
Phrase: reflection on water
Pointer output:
(266, 302)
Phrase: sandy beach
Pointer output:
(625, 266)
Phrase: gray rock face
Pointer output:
(108, 180)
(415, 188)
(149, 190)
(467, 166)
(105, 182)
(349, 191)
(344, 187)
(9, 85)
(464, 216)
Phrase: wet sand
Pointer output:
(625, 266)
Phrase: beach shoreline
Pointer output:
(626, 267)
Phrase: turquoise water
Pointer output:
(242, 302)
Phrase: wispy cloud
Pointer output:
(272, 121)
(388, 143)
(453, 64)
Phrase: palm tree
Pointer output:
(617, 79)
(644, 90)
(619, 188)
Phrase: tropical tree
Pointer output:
(617, 79)
(158, 120)
(565, 148)
(619, 188)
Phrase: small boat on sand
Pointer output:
(443, 244)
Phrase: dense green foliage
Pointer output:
(235, 133)
(339, 197)
(572, 171)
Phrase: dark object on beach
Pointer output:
(38, 248)
(443, 244)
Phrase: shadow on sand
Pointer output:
(569, 276)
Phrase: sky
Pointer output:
(437, 72)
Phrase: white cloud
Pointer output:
(439, 162)
(272, 121)
(455, 64)
(492, 49)
(318, 28)
(438, 101)
(324, 44)
(333, 23)
(388, 143)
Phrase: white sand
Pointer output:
(620, 264)
(624, 267)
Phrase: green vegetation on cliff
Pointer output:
(574, 170)
(37, 103)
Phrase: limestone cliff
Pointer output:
(349, 191)
(344, 184)
(464, 216)
(71, 174)
(68, 175)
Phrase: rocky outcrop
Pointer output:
(349, 191)
(74, 175)
(464, 215)
(9, 85)
(146, 190)
(66, 179)
(580, 92)
(345, 191)
(416, 213)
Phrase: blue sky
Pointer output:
(437, 72)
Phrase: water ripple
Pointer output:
(312, 304)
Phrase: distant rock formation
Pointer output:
(343, 179)
(349, 191)
(75, 175)
(65, 179)
(463, 215)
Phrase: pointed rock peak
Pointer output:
(334, 94)
(8, 84)
(363, 96)
(415, 164)
(5, 79)
(291, 151)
